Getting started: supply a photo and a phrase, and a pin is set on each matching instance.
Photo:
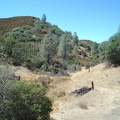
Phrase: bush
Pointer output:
(34, 62)
(22, 52)
(113, 50)
(6, 76)
(74, 62)
(87, 65)
(26, 101)
(44, 31)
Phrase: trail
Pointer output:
(102, 103)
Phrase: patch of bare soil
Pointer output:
(102, 103)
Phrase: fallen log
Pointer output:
(81, 91)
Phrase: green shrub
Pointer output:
(22, 53)
(74, 62)
(27, 101)
(113, 50)
(6, 76)
(87, 65)
(34, 62)
(44, 31)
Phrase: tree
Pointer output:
(38, 25)
(62, 48)
(102, 50)
(65, 46)
(6, 77)
(27, 101)
(44, 18)
(113, 49)
(19, 47)
(75, 35)
(75, 51)
(20, 100)
(75, 39)
(48, 49)
(22, 53)
(94, 48)
(55, 30)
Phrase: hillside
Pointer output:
(102, 103)
(41, 52)
(48, 44)
(7, 24)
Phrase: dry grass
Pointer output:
(7, 24)
(98, 103)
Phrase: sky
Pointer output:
(95, 20)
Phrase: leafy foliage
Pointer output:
(75, 51)
(22, 53)
(23, 48)
(27, 101)
(102, 51)
(20, 100)
(113, 49)
(94, 48)
(44, 18)
(48, 49)
(39, 43)
(75, 39)
(65, 46)
(6, 77)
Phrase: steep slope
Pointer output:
(102, 103)
(23, 31)
(7, 24)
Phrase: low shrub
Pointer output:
(26, 101)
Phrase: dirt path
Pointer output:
(102, 103)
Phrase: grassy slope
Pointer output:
(7, 24)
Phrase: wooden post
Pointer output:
(19, 78)
(89, 69)
(92, 85)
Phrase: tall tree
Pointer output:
(62, 48)
(75, 34)
(94, 48)
(113, 49)
(48, 49)
(75, 39)
(44, 18)
(65, 46)
(102, 50)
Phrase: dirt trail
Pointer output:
(102, 103)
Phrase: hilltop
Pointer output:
(7, 24)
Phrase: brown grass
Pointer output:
(98, 103)
(7, 24)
